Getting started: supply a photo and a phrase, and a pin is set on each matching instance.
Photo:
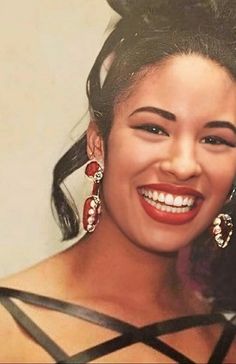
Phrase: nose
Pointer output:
(181, 161)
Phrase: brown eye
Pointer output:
(216, 140)
(154, 129)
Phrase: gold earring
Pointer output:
(92, 205)
(222, 230)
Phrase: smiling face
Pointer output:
(171, 155)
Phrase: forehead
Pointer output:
(183, 84)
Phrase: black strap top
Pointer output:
(129, 334)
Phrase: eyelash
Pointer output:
(154, 129)
(215, 140)
(158, 130)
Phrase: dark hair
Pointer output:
(149, 32)
(214, 268)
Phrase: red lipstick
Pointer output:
(172, 218)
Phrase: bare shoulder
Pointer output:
(230, 358)
(9, 336)
(42, 278)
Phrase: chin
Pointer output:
(160, 242)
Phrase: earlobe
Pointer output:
(95, 145)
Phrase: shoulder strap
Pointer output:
(109, 322)
(33, 330)
(224, 342)
(71, 309)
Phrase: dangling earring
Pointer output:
(222, 230)
(233, 193)
(92, 205)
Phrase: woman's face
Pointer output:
(171, 157)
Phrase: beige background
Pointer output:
(46, 50)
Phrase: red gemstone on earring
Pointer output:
(92, 168)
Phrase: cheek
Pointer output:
(126, 149)
(124, 153)
(221, 174)
(125, 163)
(218, 163)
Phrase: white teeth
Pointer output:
(161, 197)
(164, 201)
(155, 195)
(169, 199)
(163, 208)
(179, 201)
(167, 208)
(190, 201)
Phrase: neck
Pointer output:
(109, 265)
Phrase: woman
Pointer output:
(161, 145)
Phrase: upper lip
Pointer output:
(173, 189)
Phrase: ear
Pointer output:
(95, 144)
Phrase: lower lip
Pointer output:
(170, 217)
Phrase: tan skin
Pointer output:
(120, 269)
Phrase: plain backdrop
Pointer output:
(47, 48)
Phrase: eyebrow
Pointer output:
(170, 116)
(155, 110)
(221, 124)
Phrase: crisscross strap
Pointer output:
(223, 343)
(147, 335)
(34, 330)
(130, 333)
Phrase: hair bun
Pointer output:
(177, 14)
(122, 7)
(129, 7)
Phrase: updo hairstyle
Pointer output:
(149, 32)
